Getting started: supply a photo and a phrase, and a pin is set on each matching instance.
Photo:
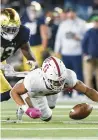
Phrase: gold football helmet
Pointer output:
(10, 23)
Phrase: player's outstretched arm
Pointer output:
(27, 52)
(89, 92)
(29, 55)
(16, 93)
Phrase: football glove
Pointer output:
(33, 113)
(32, 64)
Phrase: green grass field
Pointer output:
(60, 127)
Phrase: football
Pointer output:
(80, 111)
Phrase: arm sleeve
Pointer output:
(27, 82)
(26, 35)
(72, 78)
(41, 21)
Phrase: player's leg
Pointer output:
(88, 69)
(68, 64)
(52, 99)
(42, 104)
(96, 74)
(77, 67)
(4, 88)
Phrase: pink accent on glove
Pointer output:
(33, 113)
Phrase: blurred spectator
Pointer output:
(68, 42)
(90, 50)
(83, 7)
(95, 5)
(63, 16)
(94, 9)
(53, 19)
(70, 3)
(4, 4)
(15, 4)
(33, 19)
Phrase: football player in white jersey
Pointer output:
(43, 84)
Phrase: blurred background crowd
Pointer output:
(67, 29)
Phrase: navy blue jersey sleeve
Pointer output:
(41, 21)
(25, 34)
(85, 42)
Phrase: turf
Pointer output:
(60, 126)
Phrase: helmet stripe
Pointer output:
(57, 66)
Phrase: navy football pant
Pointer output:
(5, 96)
(74, 63)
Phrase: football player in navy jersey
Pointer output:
(14, 36)
(35, 21)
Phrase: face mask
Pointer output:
(8, 36)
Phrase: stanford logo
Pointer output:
(45, 68)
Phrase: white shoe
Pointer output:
(19, 113)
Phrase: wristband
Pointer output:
(24, 107)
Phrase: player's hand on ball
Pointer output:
(33, 113)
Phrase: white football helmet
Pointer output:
(54, 73)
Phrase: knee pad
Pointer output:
(46, 115)
(51, 107)
(46, 119)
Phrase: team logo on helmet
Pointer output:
(10, 23)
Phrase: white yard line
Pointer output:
(64, 106)
(60, 138)
(13, 115)
(60, 116)
(42, 122)
(45, 129)
(22, 122)
(14, 111)
(71, 106)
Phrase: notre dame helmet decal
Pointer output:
(10, 23)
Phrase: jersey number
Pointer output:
(5, 52)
